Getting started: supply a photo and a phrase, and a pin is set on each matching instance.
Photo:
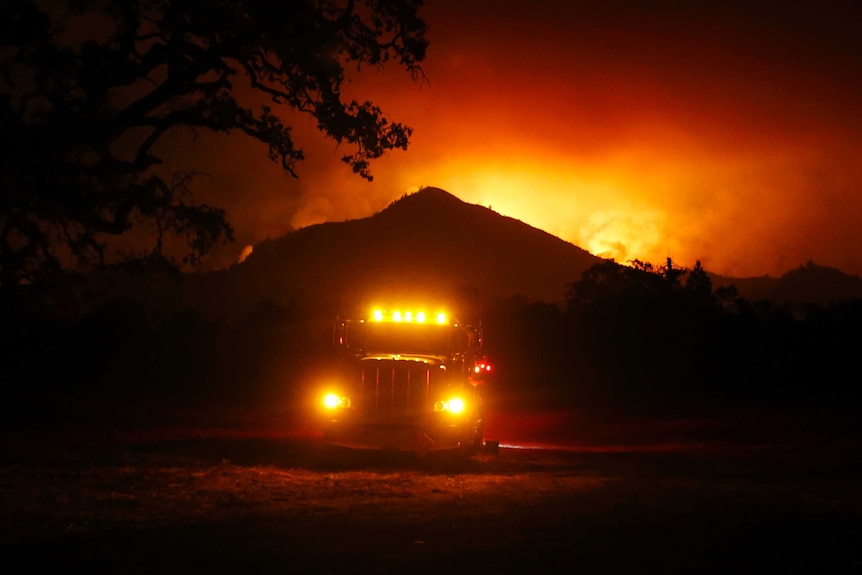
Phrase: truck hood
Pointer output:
(432, 360)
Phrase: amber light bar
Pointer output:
(408, 316)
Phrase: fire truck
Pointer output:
(410, 380)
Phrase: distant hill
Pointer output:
(809, 283)
(429, 245)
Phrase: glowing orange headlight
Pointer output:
(332, 401)
(454, 405)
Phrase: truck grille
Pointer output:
(394, 392)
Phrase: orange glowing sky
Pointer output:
(727, 134)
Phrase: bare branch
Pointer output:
(164, 65)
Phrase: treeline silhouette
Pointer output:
(640, 339)
(660, 340)
(124, 361)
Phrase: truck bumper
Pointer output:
(398, 438)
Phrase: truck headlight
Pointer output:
(454, 405)
(333, 401)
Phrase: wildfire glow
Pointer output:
(243, 255)
(599, 207)
(738, 147)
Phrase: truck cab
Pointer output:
(410, 380)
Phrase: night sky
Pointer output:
(727, 132)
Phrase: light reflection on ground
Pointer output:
(582, 448)
(565, 432)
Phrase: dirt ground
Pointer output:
(231, 501)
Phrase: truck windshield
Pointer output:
(411, 338)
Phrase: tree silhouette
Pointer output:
(670, 273)
(610, 282)
(698, 281)
(89, 87)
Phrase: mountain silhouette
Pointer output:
(807, 284)
(432, 248)
(426, 246)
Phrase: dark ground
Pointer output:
(751, 495)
